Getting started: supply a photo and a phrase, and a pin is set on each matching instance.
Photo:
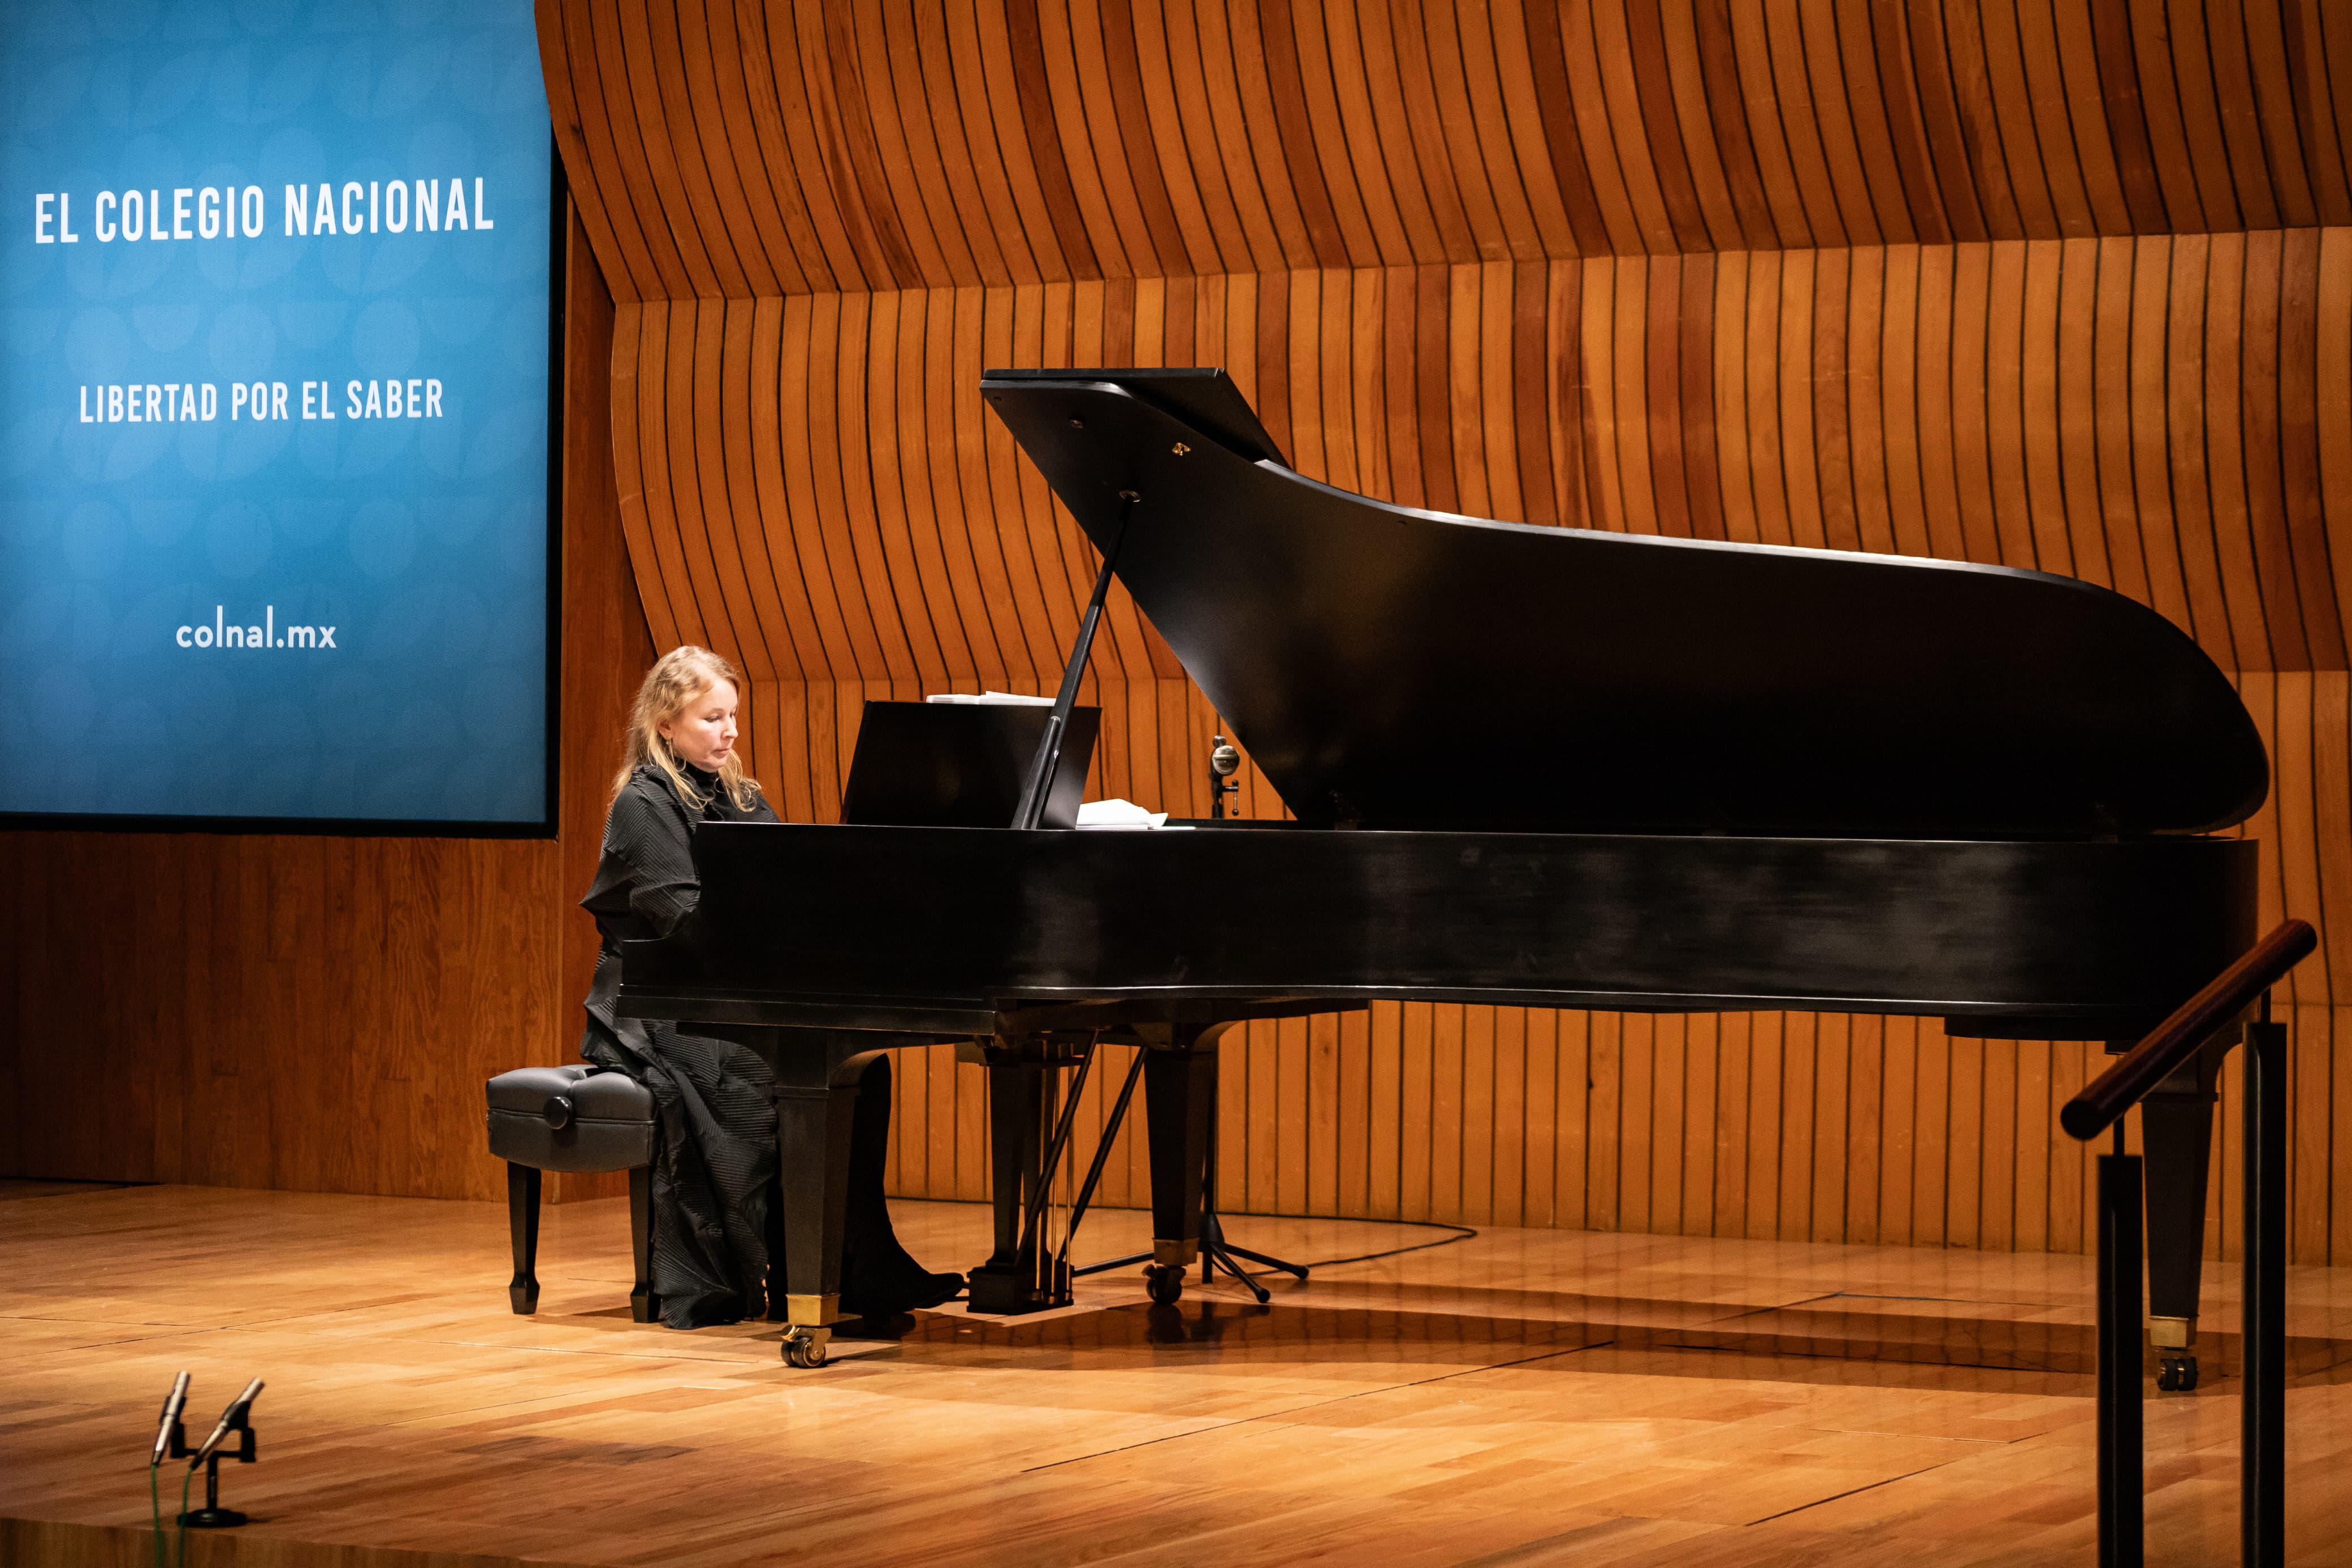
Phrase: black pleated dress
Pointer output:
(714, 1174)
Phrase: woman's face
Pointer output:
(703, 733)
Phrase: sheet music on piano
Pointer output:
(988, 699)
(1116, 815)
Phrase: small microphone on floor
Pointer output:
(172, 1405)
(229, 1420)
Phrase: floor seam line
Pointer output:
(1851, 1491)
(1318, 1405)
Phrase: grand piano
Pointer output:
(1538, 766)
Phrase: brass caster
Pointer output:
(805, 1347)
(1164, 1282)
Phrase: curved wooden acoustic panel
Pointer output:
(722, 149)
(811, 481)
(2054, 282)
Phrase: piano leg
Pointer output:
(2177, 1129)
(817, 1073)
(1180, 1096)
(812, 1193)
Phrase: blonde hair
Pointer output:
(678, 678)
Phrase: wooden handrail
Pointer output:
(2139, 1070)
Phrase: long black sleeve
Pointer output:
(650, 836)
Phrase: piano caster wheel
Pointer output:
(804, 1348)
(1164, 1282)
(2177, 1373)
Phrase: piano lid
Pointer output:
(1204, 398)
(1394, 667)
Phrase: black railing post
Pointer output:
(2261, 1510)
(2121, 1521)
(2101, 1105)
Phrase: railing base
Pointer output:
(2262, 1503)
(2122, 1517)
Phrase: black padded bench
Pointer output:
(572, 1119)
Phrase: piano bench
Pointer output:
(572, 1119)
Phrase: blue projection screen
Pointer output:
(275, 421)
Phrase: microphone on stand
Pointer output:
(172, 1405)
(1224, 763)
(230, 1419)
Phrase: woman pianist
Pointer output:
(714, 1171)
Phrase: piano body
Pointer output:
(1528, 765)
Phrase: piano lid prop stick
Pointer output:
(1049, 748)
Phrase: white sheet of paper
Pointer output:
(1119, 814)
(990, 699)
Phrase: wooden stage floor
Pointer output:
(1522, 1397)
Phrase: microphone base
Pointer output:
(211, 1519)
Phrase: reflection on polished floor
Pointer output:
(1519, 1397)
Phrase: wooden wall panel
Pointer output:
(818, 146)
(2058, 284)
(319, 1013)
(1776, 397)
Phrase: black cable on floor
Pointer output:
(1460, 1233)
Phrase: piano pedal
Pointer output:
(2177, 1373)
(1164, 1282)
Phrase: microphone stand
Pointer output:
(1224, 763)
(1216, 1252)
(212, 1516)
(1166, 1284)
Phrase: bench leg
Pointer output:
(644, 1305)
(523, 1228)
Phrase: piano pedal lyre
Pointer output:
(1033, 1119)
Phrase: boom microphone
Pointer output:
(229, 1421)
(171, 1409)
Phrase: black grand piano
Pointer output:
(1529, 765)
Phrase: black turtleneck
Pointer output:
(645, 882)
